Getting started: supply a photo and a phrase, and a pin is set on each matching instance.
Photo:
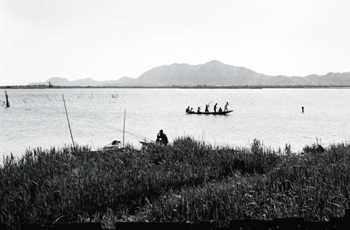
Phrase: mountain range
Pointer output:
(213, 73)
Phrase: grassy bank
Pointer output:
(186, 181)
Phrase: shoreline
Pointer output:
(138, 147)
(182, 87)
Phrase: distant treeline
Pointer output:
(177, 86)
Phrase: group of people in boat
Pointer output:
(190, 109)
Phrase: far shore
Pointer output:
(181, 87)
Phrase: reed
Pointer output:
(188, 180)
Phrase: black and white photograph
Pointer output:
(197, 114)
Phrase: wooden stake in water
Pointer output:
(124, 128)
(7, 100)
(70, 130)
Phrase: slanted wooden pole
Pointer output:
(124, 128)
(7, 100)
(70, 130)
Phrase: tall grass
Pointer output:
(185, 181)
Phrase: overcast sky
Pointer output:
(106, 40)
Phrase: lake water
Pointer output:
(37, 117)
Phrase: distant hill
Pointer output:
(213, 73)
(64, 82)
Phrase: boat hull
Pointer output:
(211, 113)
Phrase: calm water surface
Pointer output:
(37, 117)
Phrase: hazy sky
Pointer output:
(106, 40)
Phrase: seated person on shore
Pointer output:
(162, 138)
(199, 110)
(220, 110)
(188, 109)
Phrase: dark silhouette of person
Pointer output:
(162, 138)
(302, 109)
(215, 107)
(188, 109)
(227, 104)
(199, 110)
(220, 110)
(207, 108)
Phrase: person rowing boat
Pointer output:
(207, 108)
(226, 109)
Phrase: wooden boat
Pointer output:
(212, 113)
(114, 146)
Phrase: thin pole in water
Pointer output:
(124, 128)
(7, 100)
(70, 130)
